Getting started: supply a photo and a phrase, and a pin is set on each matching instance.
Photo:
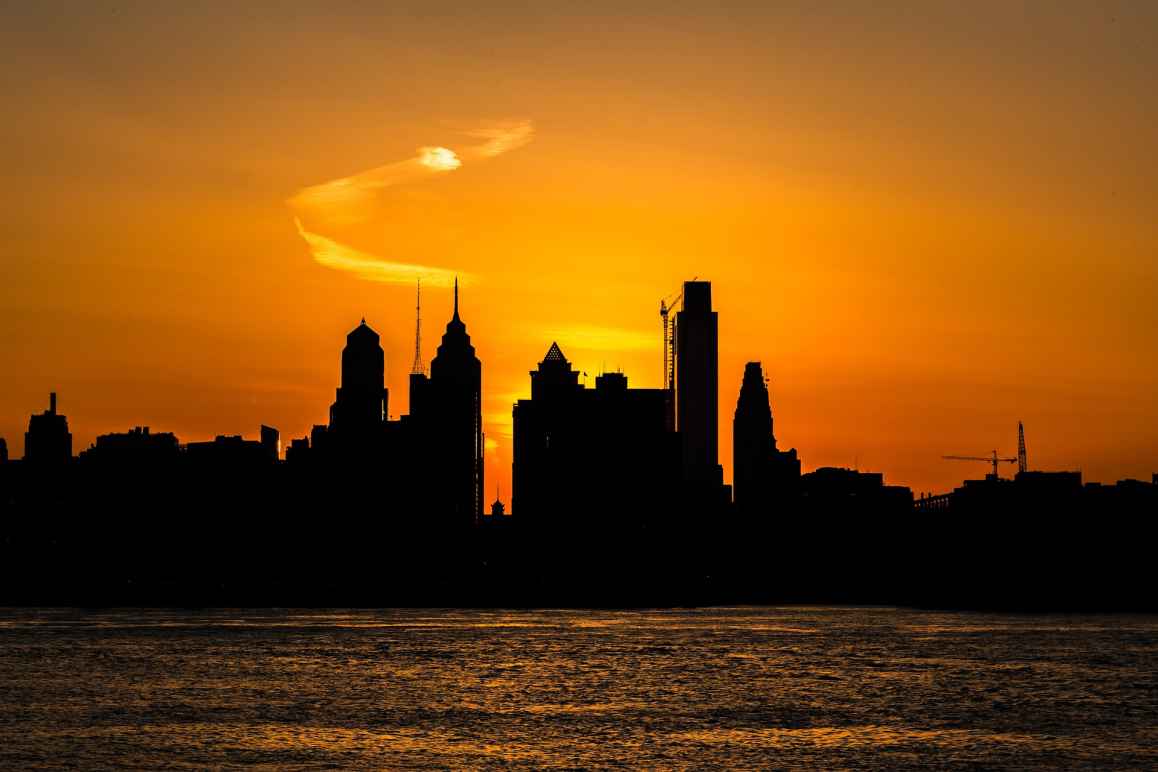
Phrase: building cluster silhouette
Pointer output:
(618, 498)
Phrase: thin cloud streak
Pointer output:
(345, 201)
(501, 138)
(368, 267)
(349, 200)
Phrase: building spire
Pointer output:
(456, 297)
(418, 368)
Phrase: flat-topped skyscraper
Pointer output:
(697, 383)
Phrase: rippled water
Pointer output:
(808, 687)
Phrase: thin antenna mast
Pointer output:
(418, 368)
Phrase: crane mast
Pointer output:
(1022, 464)
(665, 307)
(994, 459)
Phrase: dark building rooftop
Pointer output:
(48, 439)
(137, 441)
(697, 297)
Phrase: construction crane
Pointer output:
(665, 307)
(1022, 464)
(994, 459)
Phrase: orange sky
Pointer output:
(927, 222)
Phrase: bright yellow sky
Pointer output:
(928, 224)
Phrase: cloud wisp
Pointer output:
(349, 200)
(344, 201)
(368, 267)
(501, 138)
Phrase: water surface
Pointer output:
(784, 687)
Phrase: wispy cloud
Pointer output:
(346, 200)
(349, 200)
(368, 267)
(501, 138)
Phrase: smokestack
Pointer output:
(52, 403)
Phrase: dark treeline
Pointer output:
(368, 511)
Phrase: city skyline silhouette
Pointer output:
(15, 446)
(668, 526)
(914, 283)
(590, 385)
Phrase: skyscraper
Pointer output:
(453, 404)
(590, 459)
(697, 384)
(762, 475)
(360, 405)
(48, 440)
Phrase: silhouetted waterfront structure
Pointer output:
(1046, 539)
(450, 414)
(586, 458)
(612, 504)
(136, 446)
(834, 489)
(697, 385)
(360, 405)
(417, 478)
(48, 440)
(3, 451)
(765, 480)
(229, 452)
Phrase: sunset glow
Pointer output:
(927, 226)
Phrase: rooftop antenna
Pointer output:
(419, 368)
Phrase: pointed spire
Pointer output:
(555, 354)
(455, 338)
